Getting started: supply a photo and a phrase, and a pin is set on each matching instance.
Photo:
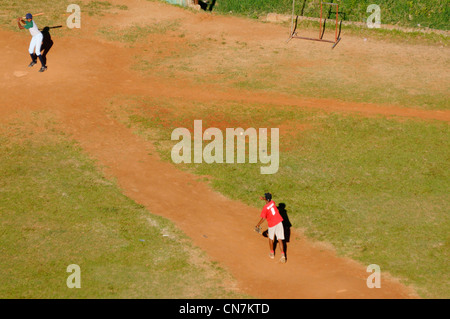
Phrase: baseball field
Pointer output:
(87, 175)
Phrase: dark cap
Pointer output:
(268, 196)
(29, 16)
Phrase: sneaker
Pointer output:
(31, 64)
(283, 259)
(272, 255)
(43, 69)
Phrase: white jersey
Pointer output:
(33, 28)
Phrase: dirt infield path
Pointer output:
(84, 73)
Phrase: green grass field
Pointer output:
(376, 188)
(56, 209)
(426, 13)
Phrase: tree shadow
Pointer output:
(207, 5)
(303, 7)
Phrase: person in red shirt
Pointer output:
(275, 222)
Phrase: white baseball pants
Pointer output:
(35, 44)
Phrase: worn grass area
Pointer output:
(55, 11)
(376, 188)
(56, 209)
(131, 35)
(378, 72)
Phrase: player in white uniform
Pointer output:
(36, 40)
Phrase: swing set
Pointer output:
(337, 34)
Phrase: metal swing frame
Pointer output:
(337, 34)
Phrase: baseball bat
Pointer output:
(35, 15)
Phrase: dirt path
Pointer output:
(84, 73)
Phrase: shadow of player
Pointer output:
(286, 223)
(47, 42)
(286, 227)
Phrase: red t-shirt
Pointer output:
(271, 213)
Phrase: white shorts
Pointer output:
(276, 230)
(35, 44)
